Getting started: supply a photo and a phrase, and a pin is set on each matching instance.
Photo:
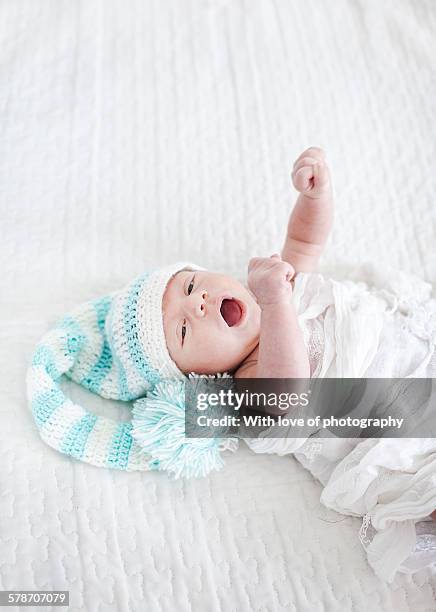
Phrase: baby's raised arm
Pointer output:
(312, 217)
(282, 352)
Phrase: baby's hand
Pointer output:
(310, 174)
(269, 278)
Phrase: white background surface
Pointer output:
(143, 132)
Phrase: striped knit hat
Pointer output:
(115, 347)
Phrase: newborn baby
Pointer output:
(213, 323)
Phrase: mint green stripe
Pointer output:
(75, 439)
(103, 366)
(125, 394)
(99, 371)
(75, 338)
(136, 353)
(44, 356)
(118, 455)
(45, 404)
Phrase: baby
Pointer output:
(213, 323)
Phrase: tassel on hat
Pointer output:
(159, 428)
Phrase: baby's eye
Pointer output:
(183, 332)
(191, 284)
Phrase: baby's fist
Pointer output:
(310, 174)
(269, 279)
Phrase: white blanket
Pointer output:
(142, 132)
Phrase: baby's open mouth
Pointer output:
(231, 311)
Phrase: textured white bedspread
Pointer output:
(146, 131)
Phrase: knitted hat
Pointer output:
(115, 346)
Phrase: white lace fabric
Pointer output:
(383, 328)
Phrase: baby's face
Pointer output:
(205, 334)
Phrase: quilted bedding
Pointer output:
(144, 132)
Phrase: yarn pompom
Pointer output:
(158, 426)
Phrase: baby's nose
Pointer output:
(200, 304)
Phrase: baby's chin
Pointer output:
(226, 365)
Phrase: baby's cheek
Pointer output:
(210, 348)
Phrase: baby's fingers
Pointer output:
(314, 152)
(253, 263)
(312, 180)
(257, 262)
(303, 178)
(303, 172)
(322, 178)
(305, 161)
